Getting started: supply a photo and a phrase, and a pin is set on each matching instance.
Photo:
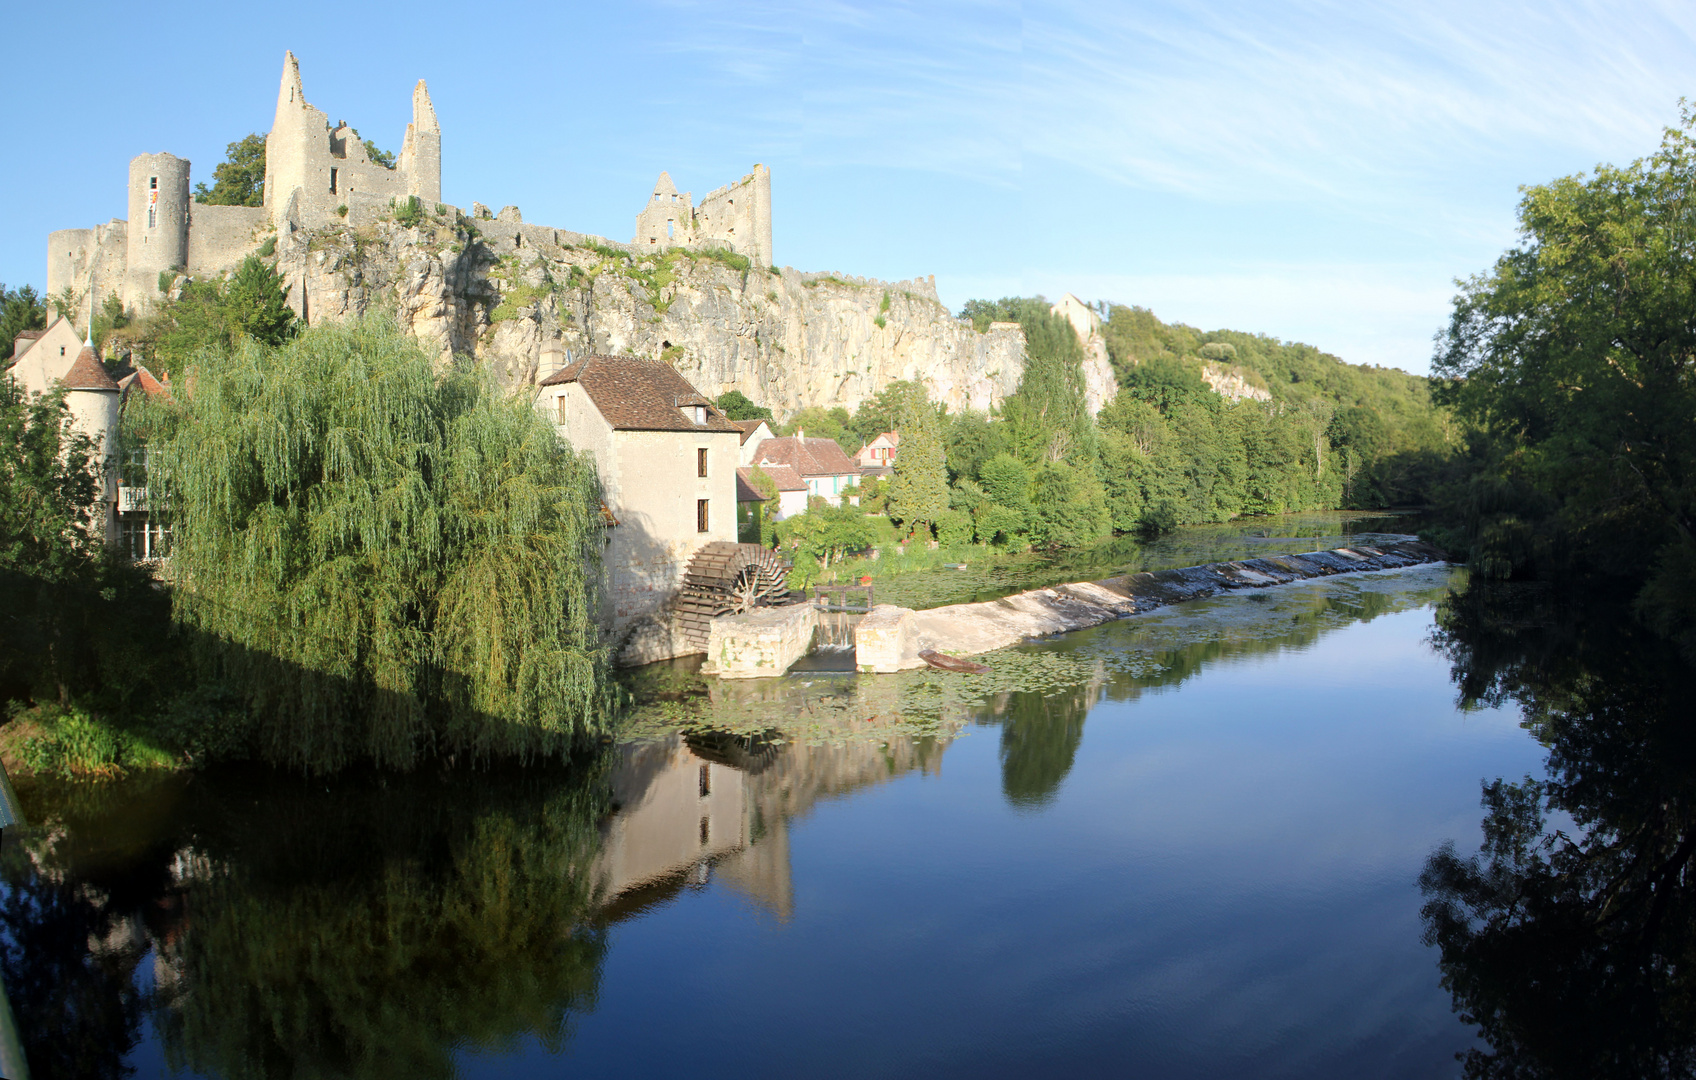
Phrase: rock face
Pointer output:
(518, 297)
(1230, 383)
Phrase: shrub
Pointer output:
(74, 743)
(409, 216)
(954, 528)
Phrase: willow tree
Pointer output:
(385, 560)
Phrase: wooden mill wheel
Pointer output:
(727, 579)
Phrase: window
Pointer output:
(668, 229)
(152, 183)
(559, 402)
(152, 217)
(700, 461)
(700, 515)
(332, 181)
(706, 781)
(700, 414)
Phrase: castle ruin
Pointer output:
(737, 216)
(319, 175)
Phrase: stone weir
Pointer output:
(890, 638)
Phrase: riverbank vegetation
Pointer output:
(1042, 474)
(1569, 364)
(373, 561)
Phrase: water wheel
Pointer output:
(727, 579)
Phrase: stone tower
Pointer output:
(94, 401)
(313, 172)
(157, 236)
(421, 154)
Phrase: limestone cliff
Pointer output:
(1234, 381)
(519, 296)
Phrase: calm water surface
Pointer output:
(1183, 845)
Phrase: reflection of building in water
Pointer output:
(693, 809)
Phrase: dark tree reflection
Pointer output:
(1039, 740)
(1570, 939)
(371, 928)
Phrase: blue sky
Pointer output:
(1317, 171)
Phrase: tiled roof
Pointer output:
(745, 492)
(639, 395)
(140, 376)
(783, 476)
(747, 427)
(809, 457)
(87, 374)
(25, 339)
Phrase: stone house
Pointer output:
(754, 432)
(820, 463)
(41, 358)
(667, 460)
(792, 491)
(880, 452)
(53, 357)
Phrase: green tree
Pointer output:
(828, 532)
(20, 309)
(888, 409)
(219, 314)
(388, 561)
(238, 180)
(735, 406)
(1571, 363)
(918, 489)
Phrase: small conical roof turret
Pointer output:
(87, 373)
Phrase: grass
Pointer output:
(71, 743)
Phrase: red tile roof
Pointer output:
(639, 395)
(745, 492)
(748, 427)
(808, 457)
(140, 376)
(783, 476)
(87, 373)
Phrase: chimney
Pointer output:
(800, 433)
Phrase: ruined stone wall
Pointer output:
(667, 219)
(90, 262)
(313, 170)
(1100, 384)
(509, 293)
(739, 214)
(220, 237)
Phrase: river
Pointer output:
(1187, 844)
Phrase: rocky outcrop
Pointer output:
(518, 297)
(1232, 382)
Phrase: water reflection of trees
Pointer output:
(372, 929)
(1570, 939)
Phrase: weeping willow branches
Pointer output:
(388, 561)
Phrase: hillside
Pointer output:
(1384, 410)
